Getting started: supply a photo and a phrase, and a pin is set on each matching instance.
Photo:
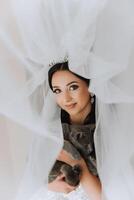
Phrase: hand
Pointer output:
(90, 183)
(59, 185)
(65, 157)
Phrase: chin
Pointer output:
(73, 112)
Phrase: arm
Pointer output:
(89, 182)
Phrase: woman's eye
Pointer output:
(73, 87)
(56, 91)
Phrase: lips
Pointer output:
(70, 106)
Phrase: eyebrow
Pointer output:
(66, 85)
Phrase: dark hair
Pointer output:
(60, 67)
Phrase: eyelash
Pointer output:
(55, 91)
(74, 87)
(71, 88)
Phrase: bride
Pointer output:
(72, 95)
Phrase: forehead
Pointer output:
(64, 77)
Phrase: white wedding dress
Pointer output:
(98, 38)
(78, 194)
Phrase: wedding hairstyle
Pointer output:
(63, 66)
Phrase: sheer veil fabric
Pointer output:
(98, 38)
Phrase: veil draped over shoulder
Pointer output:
(98, 38)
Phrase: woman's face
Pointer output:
(71, 92)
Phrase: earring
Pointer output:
(92, 98)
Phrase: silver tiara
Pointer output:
(65, 59)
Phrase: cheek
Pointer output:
(85, 99)
(83, 95)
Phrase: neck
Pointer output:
(80, 117)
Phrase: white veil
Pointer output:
(98, 38)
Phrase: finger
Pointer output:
(72, 187)
(60, 177)
(68, 190)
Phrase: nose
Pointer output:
(67, 97)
